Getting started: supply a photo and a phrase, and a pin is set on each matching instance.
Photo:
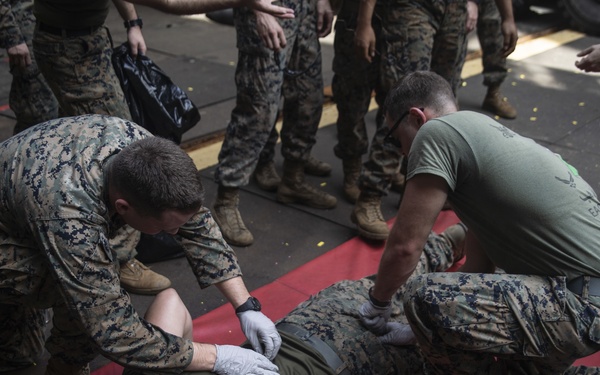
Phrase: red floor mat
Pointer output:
(351, 260)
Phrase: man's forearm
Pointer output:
(126, 10)
(234, 290)
(188, 6)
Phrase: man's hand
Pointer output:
(398, 334)
(509, 31)
(261, 332)
(364, 43)
(270, 31)
(375, 318)
(19, 56)
(233, 360)
(324, 17)
(590, 61)
(266, 7)
(137, 45)
(472, 15)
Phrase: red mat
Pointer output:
(351, 260)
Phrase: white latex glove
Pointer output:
(398, 334)
(260, 330)
(233, 360)
(375, 318)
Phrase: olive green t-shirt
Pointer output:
(71, 14)
(530, 210)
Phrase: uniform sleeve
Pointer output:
(10, 33)
(86, 272)
(209, 255)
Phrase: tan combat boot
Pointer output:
(56, 367)
(293, 188)
(266, 176)
(351, 174)
(455, 235)
(368, 218)
(316, 167)
(497, 104)
(137, 278)
(227, 215)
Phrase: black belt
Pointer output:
(576, 285)
(67, 33)
(331, 357)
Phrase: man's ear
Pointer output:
(122, 206)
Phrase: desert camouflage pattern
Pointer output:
(262, 78)
(55, 231)
(30, 98)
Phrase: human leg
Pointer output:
(302, 108)
(259, 77)
(490, 36)
(30, 98)
(463, 322)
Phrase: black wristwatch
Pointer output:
(131, 23)
(251, 304)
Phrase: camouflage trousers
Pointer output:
(416, 35)
(332, 315)
(491, 40)
(26, 292)
(501, 323)
(30, 98)
(80, 73)
(263, 77)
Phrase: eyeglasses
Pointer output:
(389, 137)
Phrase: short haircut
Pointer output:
(154, 175)
(419, 89)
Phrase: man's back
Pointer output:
(531, 211)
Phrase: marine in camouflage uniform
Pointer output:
(415, 35)
(55, 228)
(30, 98)
(332, 317)
(263, 76)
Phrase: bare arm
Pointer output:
(204, 6)
(423, 200)
(134, 34)
(509, 28)
(364, 39)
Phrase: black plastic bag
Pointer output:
(154, 101)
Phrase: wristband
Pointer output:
(376, 302)
(131, 23)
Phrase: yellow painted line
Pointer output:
(207, 156)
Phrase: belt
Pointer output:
(576, 285)
(330, 356)
(67, 33)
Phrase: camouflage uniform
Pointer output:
(415, 35)
(489, 33)
(332, 316)
(55, 226)
(79, 69)
(30, 98)
(262, 78)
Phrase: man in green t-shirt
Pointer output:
(529, 213)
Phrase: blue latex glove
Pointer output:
(375, 318)
(260, 332)
(398, 334)
(233, 360)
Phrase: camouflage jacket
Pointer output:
(53, 204)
